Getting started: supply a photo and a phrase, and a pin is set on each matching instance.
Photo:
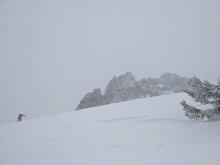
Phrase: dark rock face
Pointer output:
(174, 82)
(119, 88)
(125, 87)
(91, 99)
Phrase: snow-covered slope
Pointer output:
(149, 131)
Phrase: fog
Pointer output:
(53, 52)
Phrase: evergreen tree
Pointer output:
(204, 93)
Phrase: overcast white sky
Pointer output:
(53, 52)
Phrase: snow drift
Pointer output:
(150, 131)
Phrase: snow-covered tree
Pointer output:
(204, 93)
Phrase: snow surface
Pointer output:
(149, 131)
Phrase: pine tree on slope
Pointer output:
(204, 93)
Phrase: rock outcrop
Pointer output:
(125, 87)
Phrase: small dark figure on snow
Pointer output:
(20, 116)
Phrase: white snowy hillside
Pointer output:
(150, 131)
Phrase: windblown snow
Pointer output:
(150, 131)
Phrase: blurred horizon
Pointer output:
(53, 52)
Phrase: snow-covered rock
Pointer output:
(125, 87)
(91, 99)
